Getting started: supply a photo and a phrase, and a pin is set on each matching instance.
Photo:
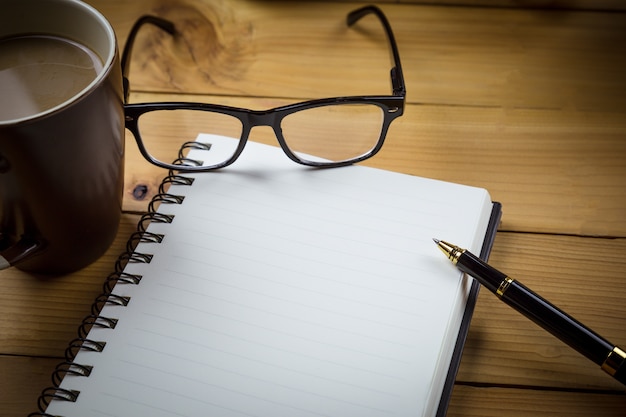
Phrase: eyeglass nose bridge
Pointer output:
(272, 119)
(258, 118)
(269, 118)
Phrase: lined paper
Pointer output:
(281, 290)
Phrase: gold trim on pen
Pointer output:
(451, 251)
(504, 285)
(613, 361)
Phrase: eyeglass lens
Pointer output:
(163, 132)
(331, 133)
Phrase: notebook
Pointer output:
(270, 289)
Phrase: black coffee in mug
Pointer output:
(61, 135)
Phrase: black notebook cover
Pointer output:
(490, 236)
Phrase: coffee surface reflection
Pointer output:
(40, 72)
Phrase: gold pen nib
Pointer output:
(451, 251)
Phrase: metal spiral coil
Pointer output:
(117, 277)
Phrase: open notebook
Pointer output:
(280, 290)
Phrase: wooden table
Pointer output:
(529, 103)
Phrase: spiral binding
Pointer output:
(107, 297)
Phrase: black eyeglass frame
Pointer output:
(391, 106)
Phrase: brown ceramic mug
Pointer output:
(61, 135)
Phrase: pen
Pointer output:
(610, 357)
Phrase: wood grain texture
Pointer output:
(555, 171)
(582, 276)
(495, 91)
(497, 402)
(39, 315)
(451, 55)
(21, 381)
(526, 99)
(525, 4)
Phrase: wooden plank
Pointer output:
(497, 402)
(464, 56)
(584, 277)
(522, 4)
(509, 152)
(21, 381)
(39, 315)
(529, 104)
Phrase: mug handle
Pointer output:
(20, 251)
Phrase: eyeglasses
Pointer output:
(328, 132)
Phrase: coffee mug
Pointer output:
(61, 135)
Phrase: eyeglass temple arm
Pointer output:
(397, 77)
(163, 24)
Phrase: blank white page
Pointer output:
(281, 290)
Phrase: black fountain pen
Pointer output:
(610, 357)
